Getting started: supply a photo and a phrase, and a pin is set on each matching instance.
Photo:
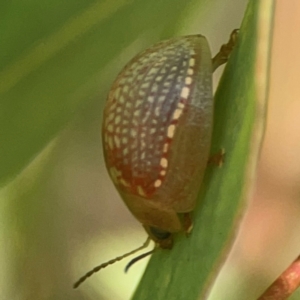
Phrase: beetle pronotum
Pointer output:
(157, 128)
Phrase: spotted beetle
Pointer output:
(157, 128)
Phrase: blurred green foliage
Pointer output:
(49, 51)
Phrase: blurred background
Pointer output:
(61, 215)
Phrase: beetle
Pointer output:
(156, 133)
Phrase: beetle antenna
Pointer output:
(134, 260)
(110, 262)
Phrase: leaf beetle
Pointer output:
(156, 133)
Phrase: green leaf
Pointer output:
(51, 58)
(189, 269)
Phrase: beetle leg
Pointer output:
(225, 51)
(187, 223)
(217, 159)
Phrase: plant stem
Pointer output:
(285, 284)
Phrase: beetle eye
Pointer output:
(159, 233)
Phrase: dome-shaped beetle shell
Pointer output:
(157, 130)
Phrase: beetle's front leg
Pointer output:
(187, 223)
(217, 159)
(225, 51)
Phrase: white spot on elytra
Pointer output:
(110, 128)
(129, 79)
(164, 162)
(145, 85)
(121, 99)
(163, 172)
(133, 132)
(113, 106)
(124, 182)
(177, 113)
(161, 98)
(151, 99)
(190, 71)
(152, 130)
(180, 105)
(111, 116)
(163, 71)
(192, 62)
(114, 173)
(138, 103)
(170, 76)
(185, 92)
(157, 183)
(137, 112)
(157, 111)
(152, 71)
(171, 130)
(154, 88)
(140, 190)
(188, 80)
(146, 117)
(117, 119)
(117, 141)
(139, 77)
